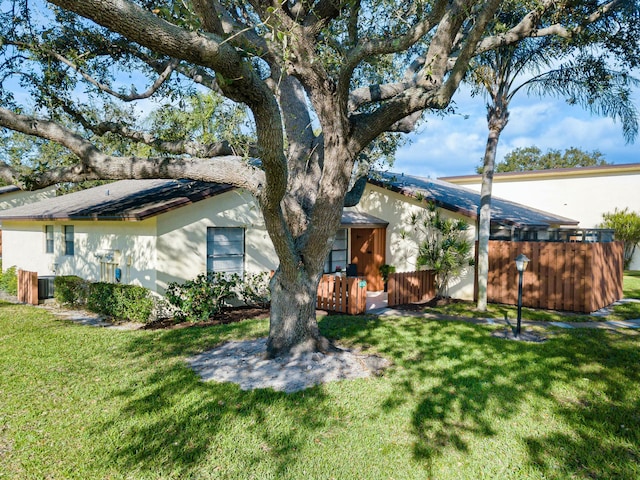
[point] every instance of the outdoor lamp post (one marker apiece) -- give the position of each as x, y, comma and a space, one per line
521, 265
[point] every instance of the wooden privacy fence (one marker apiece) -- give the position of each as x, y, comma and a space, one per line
28, 287
410, 287
342, 294
576, 277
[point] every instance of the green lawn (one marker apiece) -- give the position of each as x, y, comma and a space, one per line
91, 403
630, 286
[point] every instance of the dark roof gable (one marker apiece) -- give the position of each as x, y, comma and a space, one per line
132, 200
467, 202
136, 200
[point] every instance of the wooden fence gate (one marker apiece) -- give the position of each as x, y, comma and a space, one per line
410, 287
342, 294
28, 287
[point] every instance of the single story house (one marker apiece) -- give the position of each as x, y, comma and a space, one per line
584, 193
153, 232
11, 196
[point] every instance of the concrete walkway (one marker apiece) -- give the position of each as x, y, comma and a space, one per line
609, 325
377, 305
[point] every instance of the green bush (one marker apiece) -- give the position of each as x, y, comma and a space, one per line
626, 226
254, 289
70, 290
123, 302
385, 271
198, 299
100, 298
9, 280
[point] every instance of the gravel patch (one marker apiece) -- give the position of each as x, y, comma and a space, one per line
244, 364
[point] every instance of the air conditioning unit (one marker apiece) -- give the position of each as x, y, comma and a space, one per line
45, 288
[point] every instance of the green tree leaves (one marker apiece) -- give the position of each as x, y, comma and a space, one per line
445, 249
532, 158
626, 225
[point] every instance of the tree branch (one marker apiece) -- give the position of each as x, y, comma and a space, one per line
241, 83
95, 165
217, 19
468, 50
528, 26
376, 93
322, 12
162, 78
208, 16
178, 147
367, 48
353, 196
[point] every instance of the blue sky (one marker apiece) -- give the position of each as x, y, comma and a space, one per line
454, 145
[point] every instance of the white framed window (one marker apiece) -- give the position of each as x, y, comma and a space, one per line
338, 254
48, 239
225, 250
68, 240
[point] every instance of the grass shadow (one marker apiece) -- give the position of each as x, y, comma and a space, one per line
175, 423
464, 386
82, 402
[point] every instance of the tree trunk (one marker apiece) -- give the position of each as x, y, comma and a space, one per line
497, 118
293, 327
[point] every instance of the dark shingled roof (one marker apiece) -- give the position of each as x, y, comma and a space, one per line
136, 200
131, 200
467, 202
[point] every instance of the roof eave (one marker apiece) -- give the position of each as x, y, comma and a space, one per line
598, 170
407, 192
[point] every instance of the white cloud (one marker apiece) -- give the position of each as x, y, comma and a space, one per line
443, 145
454, 146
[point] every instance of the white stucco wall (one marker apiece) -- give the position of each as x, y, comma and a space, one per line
132, 243
19, 197
583, 198
182, 236
24, 247
403, 239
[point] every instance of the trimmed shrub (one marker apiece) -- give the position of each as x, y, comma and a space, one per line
200, 298
123, 302
100, 298
70, 290
134, 303
9, 280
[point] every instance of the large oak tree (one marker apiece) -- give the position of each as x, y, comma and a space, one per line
322, 80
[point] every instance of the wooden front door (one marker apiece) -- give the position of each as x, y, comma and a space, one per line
368, 254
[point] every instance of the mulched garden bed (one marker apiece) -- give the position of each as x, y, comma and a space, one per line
233, 315
224, 317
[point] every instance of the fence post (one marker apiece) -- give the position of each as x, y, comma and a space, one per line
28, 287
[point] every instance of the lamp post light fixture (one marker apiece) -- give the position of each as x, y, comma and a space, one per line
521, 265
